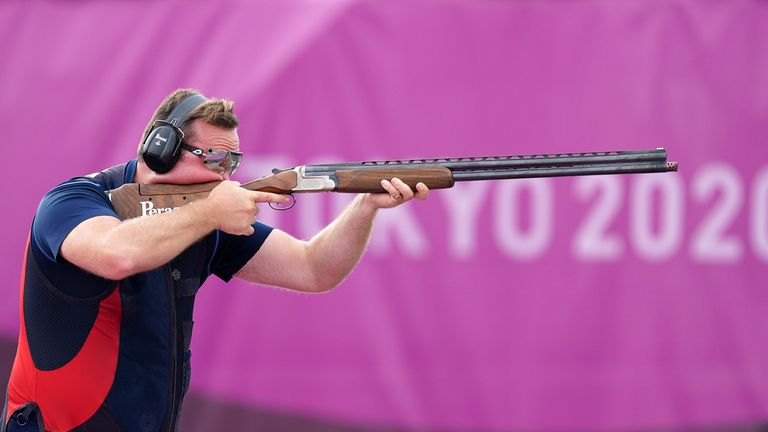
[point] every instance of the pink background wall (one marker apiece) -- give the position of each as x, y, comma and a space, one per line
597, 303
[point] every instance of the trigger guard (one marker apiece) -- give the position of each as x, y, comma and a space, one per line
293, 202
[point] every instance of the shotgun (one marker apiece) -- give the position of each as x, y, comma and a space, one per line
133, 199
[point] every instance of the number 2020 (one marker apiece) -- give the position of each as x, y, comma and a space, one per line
716, 186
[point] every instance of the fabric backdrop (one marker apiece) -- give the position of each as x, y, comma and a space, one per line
598, 303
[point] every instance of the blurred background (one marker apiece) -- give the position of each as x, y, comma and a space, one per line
575, 304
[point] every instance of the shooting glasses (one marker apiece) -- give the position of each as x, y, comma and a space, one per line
218, 161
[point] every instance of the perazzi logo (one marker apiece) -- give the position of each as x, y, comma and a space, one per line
158, 140
148, 208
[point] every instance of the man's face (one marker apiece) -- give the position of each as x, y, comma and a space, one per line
190, 168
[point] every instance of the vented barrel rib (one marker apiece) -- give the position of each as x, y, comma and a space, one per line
522, 166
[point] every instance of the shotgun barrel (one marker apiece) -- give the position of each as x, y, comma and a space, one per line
506, 167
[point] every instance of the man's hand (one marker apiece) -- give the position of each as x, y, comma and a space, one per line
397, 193
233, 209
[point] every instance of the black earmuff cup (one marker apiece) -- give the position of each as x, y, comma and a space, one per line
159, 156
162, 147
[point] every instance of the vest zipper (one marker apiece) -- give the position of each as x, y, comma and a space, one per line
172, 303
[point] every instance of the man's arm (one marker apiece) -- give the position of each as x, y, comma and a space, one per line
115, 249
323, 262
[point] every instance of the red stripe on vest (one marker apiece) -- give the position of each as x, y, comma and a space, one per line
70, 395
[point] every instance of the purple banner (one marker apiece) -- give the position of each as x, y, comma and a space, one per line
593, 303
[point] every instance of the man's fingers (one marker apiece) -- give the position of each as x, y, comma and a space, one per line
401, 192
391, 189
403, 189
269, 197
422, 191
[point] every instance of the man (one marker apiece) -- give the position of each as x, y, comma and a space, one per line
106, 304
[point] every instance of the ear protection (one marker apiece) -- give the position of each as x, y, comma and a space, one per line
162, 148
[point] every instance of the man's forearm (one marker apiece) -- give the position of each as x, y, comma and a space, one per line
335, 250
158, 239
135, 245
116, 249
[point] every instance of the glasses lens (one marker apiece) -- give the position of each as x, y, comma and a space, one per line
237, 157
222, 161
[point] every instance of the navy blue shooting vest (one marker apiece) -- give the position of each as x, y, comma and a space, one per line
129, 375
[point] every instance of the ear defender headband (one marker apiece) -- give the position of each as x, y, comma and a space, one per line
162, 147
